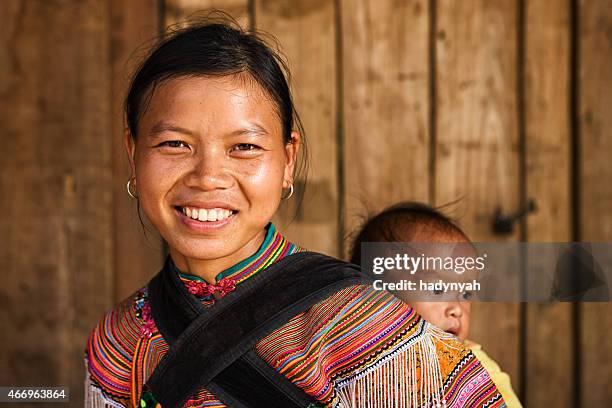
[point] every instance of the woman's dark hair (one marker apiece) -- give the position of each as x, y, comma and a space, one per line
401, 223
215, 47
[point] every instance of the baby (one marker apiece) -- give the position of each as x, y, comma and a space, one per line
416, 222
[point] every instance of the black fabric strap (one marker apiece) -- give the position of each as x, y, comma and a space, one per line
251, 382
211, 347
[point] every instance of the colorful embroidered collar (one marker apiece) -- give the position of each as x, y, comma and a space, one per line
273, 248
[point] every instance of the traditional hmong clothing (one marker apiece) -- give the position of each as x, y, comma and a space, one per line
499, 378
356, 348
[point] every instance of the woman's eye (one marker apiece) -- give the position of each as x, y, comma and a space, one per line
466, 295
173, 143
242, 147
438, 291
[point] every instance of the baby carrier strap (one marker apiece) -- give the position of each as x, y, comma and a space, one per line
212, 347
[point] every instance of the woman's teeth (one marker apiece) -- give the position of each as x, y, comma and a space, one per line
201, 214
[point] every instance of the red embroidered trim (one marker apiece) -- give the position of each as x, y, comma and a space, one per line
203, 289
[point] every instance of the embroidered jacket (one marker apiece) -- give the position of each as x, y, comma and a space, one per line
359, 347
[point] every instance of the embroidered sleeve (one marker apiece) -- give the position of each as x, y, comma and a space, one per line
95, 397
413, 363
109, 354
432, 371
365, 348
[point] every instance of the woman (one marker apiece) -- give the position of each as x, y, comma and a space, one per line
239, 316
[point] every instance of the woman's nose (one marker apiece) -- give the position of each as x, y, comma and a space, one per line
208, 170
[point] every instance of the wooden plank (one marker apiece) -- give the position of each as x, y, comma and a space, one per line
549, 364
386, 132
477, 141
56, 188
137, 257
178, 12
306, 33
595, 189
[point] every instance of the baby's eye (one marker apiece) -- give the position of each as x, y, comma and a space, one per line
466, 295
173, 144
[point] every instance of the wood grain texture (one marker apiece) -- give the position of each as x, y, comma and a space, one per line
549, 364
312, 63
386, 135
137, 257
56, 188
179, 12
477, 144
595, 188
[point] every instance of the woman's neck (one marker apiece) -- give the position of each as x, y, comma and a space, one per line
208, 269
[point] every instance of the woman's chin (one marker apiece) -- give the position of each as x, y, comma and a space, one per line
224, 249
208, 251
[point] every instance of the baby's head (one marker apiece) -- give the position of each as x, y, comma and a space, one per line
417, 222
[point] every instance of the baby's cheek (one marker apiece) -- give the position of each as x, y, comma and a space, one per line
465, 327
429, 312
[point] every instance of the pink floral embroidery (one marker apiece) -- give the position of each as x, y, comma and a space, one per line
148, 324
203, 289
143, 312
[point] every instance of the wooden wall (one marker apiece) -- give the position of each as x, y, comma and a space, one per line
56, 187
490, 103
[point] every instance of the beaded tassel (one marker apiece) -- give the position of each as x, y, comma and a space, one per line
95, 398
411, 379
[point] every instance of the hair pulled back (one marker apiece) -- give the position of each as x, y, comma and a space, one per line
213, 48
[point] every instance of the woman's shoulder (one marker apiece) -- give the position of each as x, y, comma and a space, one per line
371, 305
121, 324
353, 336
356, 321
369, 319
111, 346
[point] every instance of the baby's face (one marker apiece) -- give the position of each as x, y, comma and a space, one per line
452, 317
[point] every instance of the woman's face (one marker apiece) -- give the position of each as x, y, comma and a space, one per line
210, 164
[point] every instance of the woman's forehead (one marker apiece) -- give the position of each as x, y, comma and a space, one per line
204, 101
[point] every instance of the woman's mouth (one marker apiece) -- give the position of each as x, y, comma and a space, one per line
206, 214
204, 219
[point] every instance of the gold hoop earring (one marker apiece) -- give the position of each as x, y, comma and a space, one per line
129, 189
290, 193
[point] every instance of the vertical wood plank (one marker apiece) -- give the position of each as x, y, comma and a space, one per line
137, 256
180, 11
386, 132
56, 188
549, 364
595, 188
306, 33
477, 158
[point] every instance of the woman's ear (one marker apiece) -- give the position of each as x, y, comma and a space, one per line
292, 149
130, 148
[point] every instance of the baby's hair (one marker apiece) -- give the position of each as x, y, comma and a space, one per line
403, 222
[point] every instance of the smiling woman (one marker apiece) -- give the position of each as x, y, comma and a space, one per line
210, 168
240, 316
